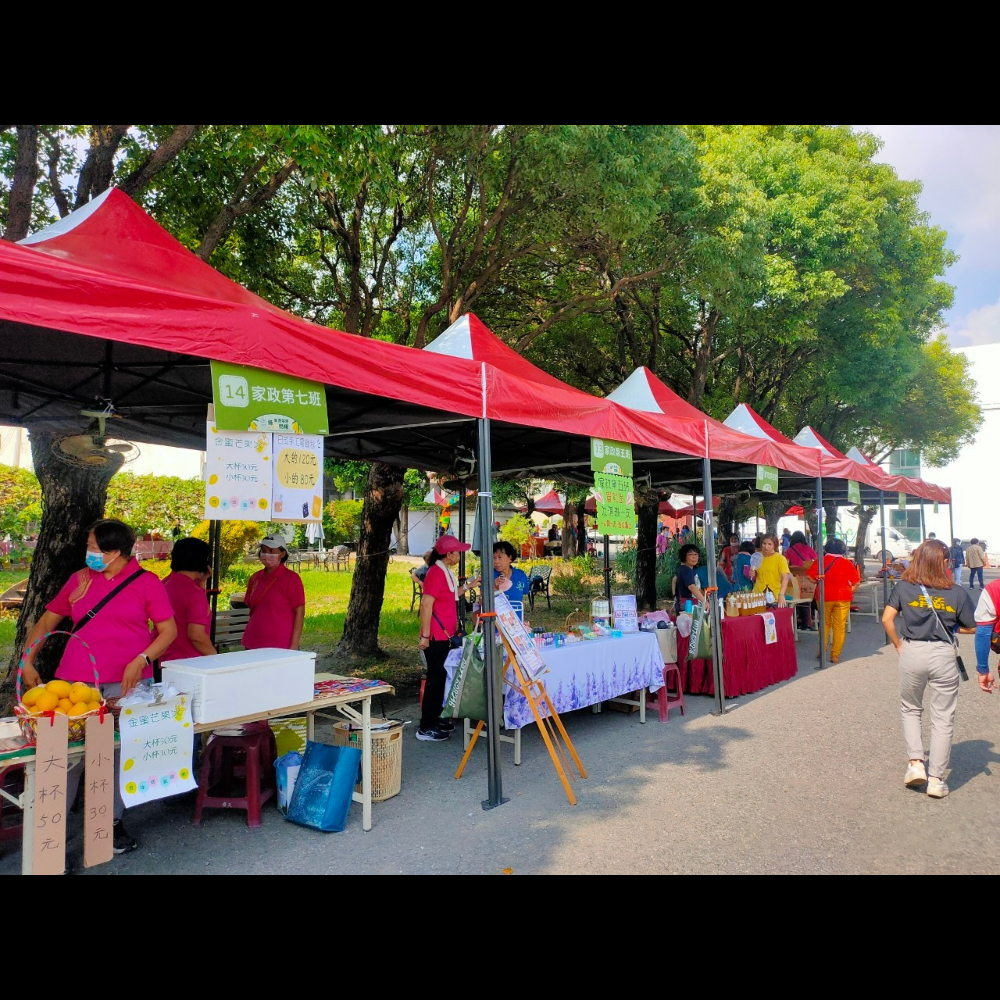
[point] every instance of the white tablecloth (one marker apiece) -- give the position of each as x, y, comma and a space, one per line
589, 672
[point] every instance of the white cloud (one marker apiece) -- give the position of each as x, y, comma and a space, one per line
980, 326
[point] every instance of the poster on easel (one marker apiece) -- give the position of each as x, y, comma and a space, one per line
519, 638
626, 617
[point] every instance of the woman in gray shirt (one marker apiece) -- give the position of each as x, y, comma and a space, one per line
924, 610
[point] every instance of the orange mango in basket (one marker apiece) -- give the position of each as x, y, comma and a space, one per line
79, 708
47, 701
82, 692
31, 695
64, 706
59, 688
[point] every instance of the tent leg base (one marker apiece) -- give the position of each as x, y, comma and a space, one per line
487, 805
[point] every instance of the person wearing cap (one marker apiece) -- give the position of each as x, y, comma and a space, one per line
438, 623
276, 599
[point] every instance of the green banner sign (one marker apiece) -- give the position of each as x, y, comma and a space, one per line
935, 506
902, 501
767, 479
853, 492
614, 457
615, 504
250, 399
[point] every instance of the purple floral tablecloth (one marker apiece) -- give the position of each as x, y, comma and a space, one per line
586, 673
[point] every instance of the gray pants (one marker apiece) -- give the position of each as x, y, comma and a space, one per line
922, 665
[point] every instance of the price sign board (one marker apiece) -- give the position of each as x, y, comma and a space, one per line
237, 475
297, 489
615, 504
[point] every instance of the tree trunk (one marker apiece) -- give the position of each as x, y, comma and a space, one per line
865, 517
645, 555
727, 517
22, 184
568, 537
773, 509
403, 531
383, 498
581, 526
72, 499
830, 517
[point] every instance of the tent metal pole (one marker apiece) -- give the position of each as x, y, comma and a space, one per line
885, 565
708, 523
923, 527
461, 556
821, 588
951, 525
607, 569
494, 776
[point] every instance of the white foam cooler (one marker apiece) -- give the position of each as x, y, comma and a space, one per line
229, 685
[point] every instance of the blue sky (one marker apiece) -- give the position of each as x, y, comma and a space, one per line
959, 167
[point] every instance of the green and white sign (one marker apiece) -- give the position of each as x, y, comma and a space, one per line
250, 399
935, 506
614, 457
767, 479
902, 501
615, 504
853, 492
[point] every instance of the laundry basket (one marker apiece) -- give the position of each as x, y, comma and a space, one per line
387, 754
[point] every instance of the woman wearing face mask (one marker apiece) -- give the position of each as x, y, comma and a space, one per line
118, 634
189, 574
276, 599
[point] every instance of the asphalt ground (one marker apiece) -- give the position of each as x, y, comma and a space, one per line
803, 777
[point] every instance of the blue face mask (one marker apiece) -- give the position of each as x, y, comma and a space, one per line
95, 561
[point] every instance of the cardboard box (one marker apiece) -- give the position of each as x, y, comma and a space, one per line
247, 682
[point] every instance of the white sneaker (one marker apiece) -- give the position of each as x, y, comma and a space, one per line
936, 788
916, 774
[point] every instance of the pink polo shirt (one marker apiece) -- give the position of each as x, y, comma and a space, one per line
120, 630
445, 603
190, 604
273, 599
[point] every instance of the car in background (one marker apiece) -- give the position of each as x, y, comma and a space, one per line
896, 544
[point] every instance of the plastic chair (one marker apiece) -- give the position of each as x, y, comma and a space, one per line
665, 697
518, 607
237, 772
543, 574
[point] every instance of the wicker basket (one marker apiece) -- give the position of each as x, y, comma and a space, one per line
77, 723
387, 756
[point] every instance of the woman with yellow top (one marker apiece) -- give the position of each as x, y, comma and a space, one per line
773, 573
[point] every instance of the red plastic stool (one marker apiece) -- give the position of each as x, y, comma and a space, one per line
665, 697
12, 782
237, 772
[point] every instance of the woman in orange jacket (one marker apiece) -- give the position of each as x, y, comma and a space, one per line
840, 577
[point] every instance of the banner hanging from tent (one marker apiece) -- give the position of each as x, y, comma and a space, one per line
250, 399
767, 479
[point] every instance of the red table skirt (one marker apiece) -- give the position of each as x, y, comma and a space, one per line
749, 664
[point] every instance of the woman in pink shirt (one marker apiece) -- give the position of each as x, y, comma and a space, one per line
190, 570
276, 599
118, 634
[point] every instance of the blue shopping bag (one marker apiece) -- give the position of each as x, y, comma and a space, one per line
324, 787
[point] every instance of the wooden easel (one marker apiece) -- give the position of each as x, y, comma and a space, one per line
557, 740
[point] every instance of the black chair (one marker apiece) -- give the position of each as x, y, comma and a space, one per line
418, 592
539, 584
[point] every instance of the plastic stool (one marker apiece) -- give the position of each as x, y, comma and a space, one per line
12, 781
665, 697
228, 761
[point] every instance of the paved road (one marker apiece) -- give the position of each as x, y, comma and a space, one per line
805, 777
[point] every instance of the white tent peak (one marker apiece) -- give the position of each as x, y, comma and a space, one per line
859, 456
741, 419
636, 394
71, 221
808, 439
456, 341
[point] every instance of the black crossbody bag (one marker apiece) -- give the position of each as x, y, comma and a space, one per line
951, 638
92, 613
